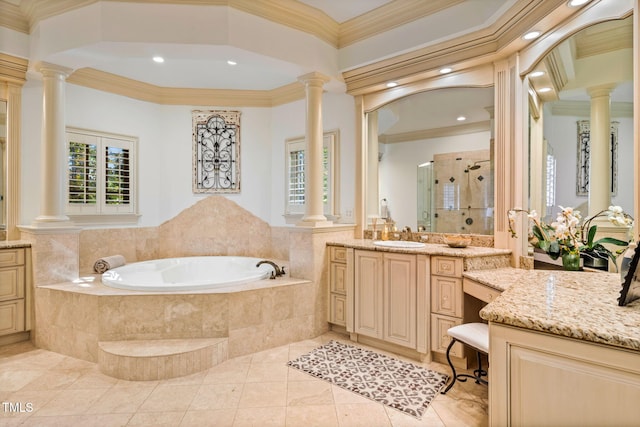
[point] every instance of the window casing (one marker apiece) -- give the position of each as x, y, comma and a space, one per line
101, 175
295, 164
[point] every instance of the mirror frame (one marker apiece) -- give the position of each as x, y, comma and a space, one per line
13, 72
479, 76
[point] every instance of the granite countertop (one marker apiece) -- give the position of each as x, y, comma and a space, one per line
12, 244
429, 249
580, 305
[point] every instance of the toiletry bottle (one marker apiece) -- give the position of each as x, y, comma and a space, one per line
385, 231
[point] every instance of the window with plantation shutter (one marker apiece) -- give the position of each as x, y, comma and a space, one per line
100, 175
296, 178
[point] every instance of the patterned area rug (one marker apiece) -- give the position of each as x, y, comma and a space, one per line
392, 382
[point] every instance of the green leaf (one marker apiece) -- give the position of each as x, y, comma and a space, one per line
591, 235
554, 250
611, 241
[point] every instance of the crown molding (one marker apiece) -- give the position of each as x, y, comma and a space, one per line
13, 69
12, 17
436, 132
485, 45
135, 89
387, 17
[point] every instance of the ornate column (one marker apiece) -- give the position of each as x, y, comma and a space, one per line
600, 149
314, 215
53, 143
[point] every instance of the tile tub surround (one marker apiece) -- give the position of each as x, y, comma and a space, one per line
75, 317
580, 305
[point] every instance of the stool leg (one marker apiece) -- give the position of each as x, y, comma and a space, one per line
453, 369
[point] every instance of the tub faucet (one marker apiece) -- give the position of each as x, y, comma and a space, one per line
277, 271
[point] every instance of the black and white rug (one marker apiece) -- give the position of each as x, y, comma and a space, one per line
400, 385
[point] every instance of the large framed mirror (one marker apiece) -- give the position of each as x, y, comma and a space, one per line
412, 138
582, 143
435, 168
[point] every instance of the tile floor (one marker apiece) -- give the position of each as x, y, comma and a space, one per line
42, 388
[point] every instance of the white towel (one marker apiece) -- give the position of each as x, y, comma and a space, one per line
108, 262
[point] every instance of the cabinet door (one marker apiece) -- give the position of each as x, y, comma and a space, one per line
440, 339
338, 314
11, 317
337, 278
446, 296
400, 299
368, 293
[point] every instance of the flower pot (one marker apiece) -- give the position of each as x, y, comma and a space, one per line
571, 261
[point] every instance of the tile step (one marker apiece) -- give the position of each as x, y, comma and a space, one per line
147, 360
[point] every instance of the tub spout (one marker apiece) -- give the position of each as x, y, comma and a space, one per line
277, 271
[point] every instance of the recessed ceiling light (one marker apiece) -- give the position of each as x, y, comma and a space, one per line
445, 70
232, 62
158, 59
544, 89
537, 74
461, 118
576, 3
392, 84
532, 35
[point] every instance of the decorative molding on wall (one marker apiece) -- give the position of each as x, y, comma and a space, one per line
13, 69
435, 133
12, 17
388, 16
135, 89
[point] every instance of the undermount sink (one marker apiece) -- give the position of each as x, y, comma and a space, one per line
399, 244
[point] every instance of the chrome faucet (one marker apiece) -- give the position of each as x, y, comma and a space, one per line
277, 271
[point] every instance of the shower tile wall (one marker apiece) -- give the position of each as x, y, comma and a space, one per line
463, 196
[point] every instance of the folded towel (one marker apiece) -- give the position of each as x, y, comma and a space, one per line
108, 262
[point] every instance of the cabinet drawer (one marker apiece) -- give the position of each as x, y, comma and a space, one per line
338, 307
446, 296
480, 291
439, 338
11, 283
11, 317
446, 266
11, 257
338, 254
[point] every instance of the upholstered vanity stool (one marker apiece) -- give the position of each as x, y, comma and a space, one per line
476, 336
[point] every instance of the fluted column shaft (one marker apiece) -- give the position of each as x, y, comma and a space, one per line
600, 149
314, 215
373, 196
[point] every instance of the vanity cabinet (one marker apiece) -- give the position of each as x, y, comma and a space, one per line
547, 380
447, 302
13, 291
389, 298
338, 280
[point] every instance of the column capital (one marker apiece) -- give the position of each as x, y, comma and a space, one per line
601, 90
314, 78
52, 70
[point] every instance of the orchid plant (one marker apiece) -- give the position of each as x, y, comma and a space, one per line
565, 235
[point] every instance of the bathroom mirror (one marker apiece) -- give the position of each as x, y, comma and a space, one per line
434, 159
594, 56
3, 168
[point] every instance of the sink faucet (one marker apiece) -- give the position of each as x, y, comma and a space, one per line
277, 271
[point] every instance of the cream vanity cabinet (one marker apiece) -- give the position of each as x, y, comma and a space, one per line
338, 280
391, 298
447, 302
14, 277
542, 379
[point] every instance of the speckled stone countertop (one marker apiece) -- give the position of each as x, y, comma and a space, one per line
580, 305
428, 249
11, 244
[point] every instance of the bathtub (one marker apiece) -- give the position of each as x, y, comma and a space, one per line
186, 274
